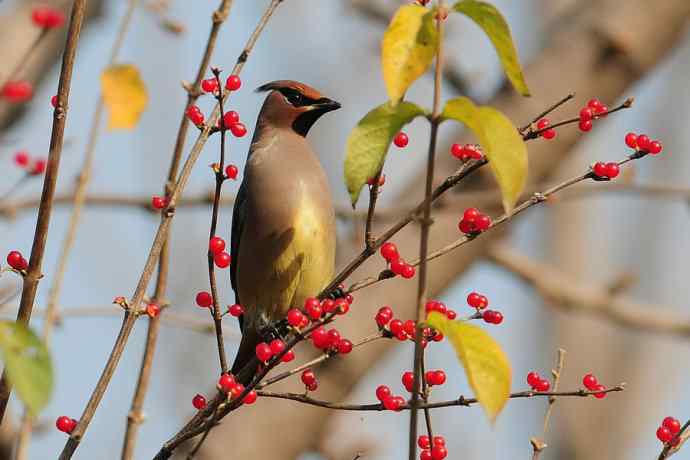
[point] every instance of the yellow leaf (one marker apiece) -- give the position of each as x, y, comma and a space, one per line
408, 48
501, 142
124, 94
486, 365
496, 28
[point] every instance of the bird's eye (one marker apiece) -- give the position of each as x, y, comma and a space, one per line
294, 98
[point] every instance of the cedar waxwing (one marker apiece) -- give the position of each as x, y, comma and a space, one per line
283, 223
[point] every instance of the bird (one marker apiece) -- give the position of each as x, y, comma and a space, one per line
283, 223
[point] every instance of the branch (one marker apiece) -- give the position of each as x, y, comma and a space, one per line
34, 273
538, 445
571, 295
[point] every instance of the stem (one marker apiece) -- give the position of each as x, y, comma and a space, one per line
70, 236
424, 238
44, 211
538, 445
369, 239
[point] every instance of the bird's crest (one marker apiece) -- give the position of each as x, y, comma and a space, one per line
279, 85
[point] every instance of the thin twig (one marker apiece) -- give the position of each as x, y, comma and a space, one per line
538, 445
34, 274
374, 189
546, 112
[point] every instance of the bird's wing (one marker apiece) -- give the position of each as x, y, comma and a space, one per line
238, 217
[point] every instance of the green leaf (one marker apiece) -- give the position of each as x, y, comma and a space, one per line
486, 16
27, 363
501, 142
368, 143
486, 365
408, 48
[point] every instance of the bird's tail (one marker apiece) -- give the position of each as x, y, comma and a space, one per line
246, 354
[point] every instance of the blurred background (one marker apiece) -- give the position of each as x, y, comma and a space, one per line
624, 244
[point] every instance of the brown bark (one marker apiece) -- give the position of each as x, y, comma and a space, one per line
613, 50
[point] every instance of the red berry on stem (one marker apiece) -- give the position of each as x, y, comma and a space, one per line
474, 300
438, 453
236, 310
396, 326
308, 377
589, 381
383, 392
313, 310
250, 398
533, 379
471, 214
612, 170
65, 424
631, 140
222, 260
498, 317
451, 314
542, 385
643, 142
599, 169
194, 115
389, 251
231, 172
287, 357
466, 227
585, 125
295, 317
549, 134
319, 338
408, 381
543, 123
439, 441
423, 442
344, 346
199, 401
277, 346
408, 271
672, 424
54, 101
209, 85
586, 114
21, 158
655, 147
204, 299
238, 129
600, 388
663, 434
231, 117
401, 140
457, 150
397, 266
15, 260
425, 455
226, 382
152, 310
483, 222
594, 104
158, 202
263, 352
438, 377
38, 167
233, 83
216, 245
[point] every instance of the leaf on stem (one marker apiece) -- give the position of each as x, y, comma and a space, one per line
486, 365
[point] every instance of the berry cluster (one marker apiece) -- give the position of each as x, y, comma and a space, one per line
308, 378
228, 384
643, 143
33, 167
466, 152
388, 399
606, 171
547, 133
404, 330
330, 341
480, 302
474, 222
216, 246
16, 260
668, 430
592, 384
401, 140
537, 383
65, 424
389, 251
231, 121
432, 449
593, 110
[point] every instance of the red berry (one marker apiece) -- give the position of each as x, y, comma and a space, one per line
602, 111
194, 115
425, 455
612, 170
21, 159
396, 326
436, 377
473, 151
152, 310
264, 352
655, 147
313, 310
54, 101
586, 114
238, 129
631, 140
401, 140
599, 169
46, 17
204, 299
157, 202
542, 385
457, 151
226, 382
663, 434
233, 83
474, 300
394, 403
589, 381
236, 310
295, 317
344, 346
199, 402
341, 306
236, 390
438, 453
383, 392
483, 222
65, 424
672, 424
333, 338
277, 346
389, 251
311, 302
471, 214
549, 134
288, 356
319, 338
498, 317
439, 441
533, 379
308, 377
382, 319
328, 305
410, 327
382, 180
222, 259
408, 381
451, 314
16, 260
543, 123
17, 91
230, 118
585, 125
423, 442
216, 245
250, 398
643, 142
594, 104
408, 271
38, 167
231, 172
209, 85
600, 388
397, 266
467, 227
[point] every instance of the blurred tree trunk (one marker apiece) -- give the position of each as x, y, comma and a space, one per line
610, 54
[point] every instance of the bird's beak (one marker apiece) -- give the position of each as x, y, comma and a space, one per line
324, 105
